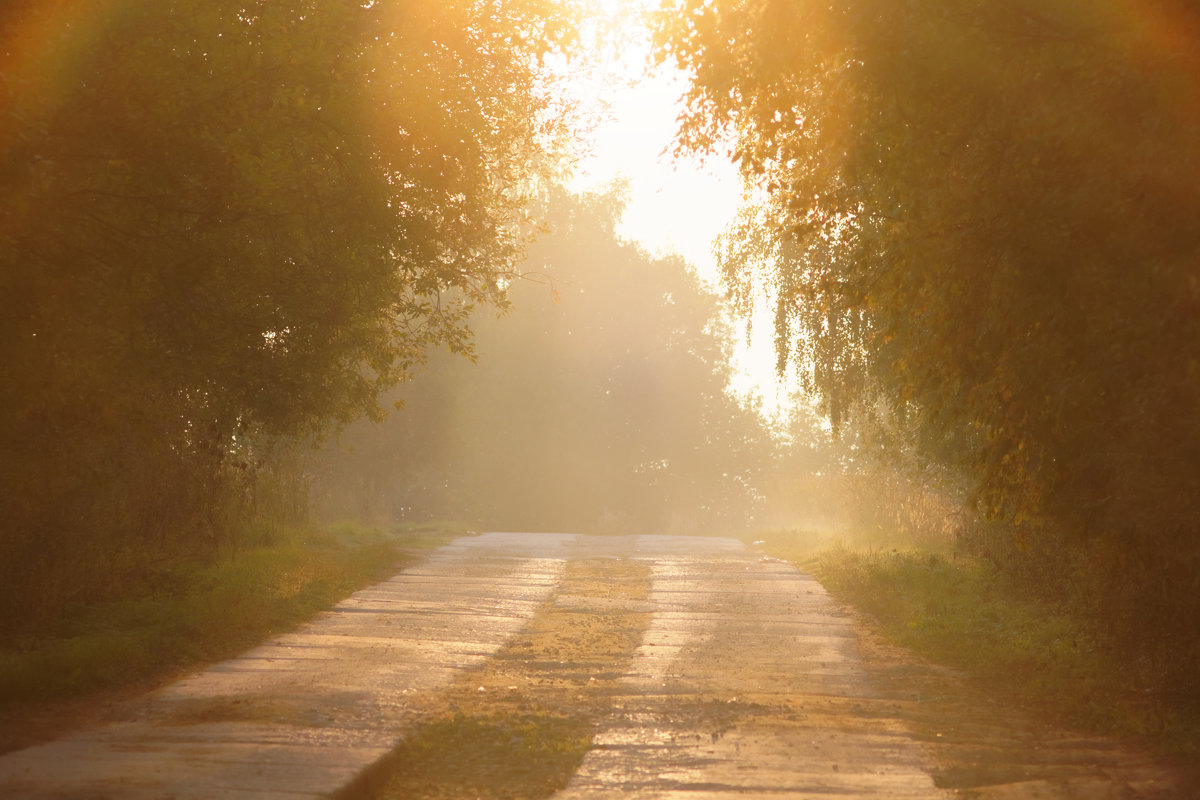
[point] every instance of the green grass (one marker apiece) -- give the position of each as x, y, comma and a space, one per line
962, 613
495, 757
196, 611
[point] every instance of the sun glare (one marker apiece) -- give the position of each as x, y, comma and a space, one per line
676, 205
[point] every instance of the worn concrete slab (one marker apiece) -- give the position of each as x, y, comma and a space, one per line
747, 684
745, 680
306, 712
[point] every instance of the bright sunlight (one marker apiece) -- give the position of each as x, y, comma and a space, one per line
676, 204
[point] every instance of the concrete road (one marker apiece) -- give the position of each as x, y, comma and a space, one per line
745, 679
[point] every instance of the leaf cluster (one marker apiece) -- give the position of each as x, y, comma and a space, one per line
226, 222
977, 221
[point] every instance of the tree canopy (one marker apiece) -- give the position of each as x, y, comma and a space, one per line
600, 401
978, 223
224, 219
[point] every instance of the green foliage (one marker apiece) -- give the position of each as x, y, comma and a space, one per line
222, 223
199, 611
501, 756
962, 613
965, 614
598, 402
978, 224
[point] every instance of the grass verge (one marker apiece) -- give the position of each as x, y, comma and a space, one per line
521, 756
964, 614
191, 612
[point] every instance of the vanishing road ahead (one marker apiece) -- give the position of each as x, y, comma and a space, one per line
702, 668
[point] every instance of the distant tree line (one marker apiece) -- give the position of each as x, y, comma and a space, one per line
980, 223
227, 223
600, 402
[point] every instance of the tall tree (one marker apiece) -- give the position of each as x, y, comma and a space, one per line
228, 218
978, 221
600, 401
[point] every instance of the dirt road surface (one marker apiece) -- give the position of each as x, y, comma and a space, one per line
696, 668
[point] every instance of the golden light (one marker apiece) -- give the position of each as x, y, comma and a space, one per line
675, 205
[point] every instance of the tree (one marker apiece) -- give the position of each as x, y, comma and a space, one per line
229, 219
598, 402
978, 221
